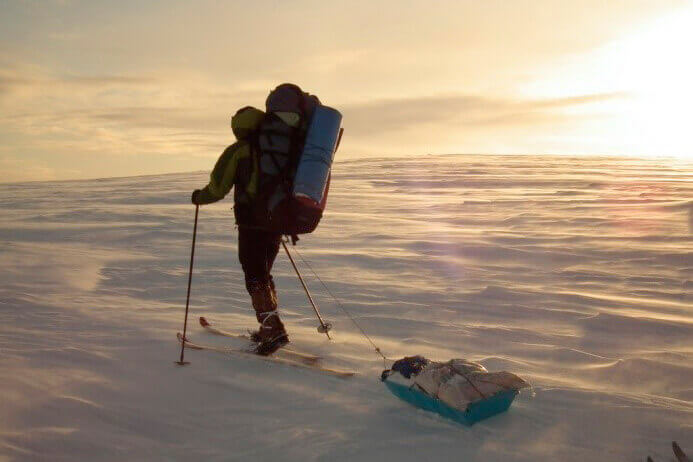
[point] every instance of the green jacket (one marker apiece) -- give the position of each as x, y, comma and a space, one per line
236, 167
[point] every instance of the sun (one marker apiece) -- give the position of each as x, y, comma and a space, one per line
654, 66
649, 71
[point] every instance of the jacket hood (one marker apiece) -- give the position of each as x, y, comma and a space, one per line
245, 121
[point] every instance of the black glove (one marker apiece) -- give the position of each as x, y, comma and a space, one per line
195, 197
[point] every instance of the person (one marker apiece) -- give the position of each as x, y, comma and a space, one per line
257, 248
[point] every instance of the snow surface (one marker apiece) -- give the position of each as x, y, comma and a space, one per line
575, 273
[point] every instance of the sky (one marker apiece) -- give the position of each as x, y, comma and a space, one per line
101, 88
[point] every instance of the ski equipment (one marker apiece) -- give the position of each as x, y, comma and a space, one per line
678, 452
181, 361
324, 327
238, 351
212, 329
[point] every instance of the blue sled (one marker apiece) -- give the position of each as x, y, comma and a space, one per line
475, 412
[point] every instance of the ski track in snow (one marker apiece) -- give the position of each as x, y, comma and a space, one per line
575, 273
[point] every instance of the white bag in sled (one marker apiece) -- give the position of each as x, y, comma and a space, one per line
461, 390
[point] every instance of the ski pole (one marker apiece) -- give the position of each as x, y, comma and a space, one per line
324, 326
181, 362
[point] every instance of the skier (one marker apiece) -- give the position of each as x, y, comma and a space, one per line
257, 248
280, 168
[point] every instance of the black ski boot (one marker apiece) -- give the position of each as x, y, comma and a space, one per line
271, 336
255, 336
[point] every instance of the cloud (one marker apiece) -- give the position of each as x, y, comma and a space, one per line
183, 118
26, 170
186, 115
125, 115
16, 81
388, 115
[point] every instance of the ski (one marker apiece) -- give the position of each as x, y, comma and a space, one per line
678, 452
680, 455
288, 362
287, 352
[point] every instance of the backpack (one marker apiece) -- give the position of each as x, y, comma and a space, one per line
282, 155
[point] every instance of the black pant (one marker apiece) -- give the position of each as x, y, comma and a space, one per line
257, 251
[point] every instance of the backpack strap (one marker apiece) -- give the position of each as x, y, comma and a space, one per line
281, 173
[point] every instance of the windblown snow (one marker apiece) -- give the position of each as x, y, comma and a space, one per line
574, 273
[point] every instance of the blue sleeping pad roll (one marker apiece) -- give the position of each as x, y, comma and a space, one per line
316, 159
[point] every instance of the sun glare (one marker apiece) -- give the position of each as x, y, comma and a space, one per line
650, 74
654, 65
